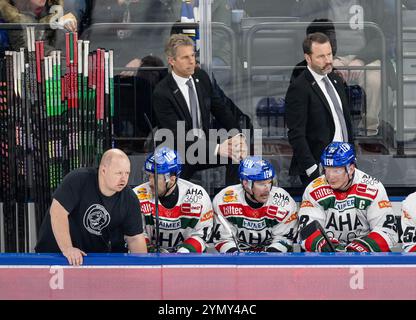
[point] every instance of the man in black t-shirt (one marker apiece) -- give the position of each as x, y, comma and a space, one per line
94, 212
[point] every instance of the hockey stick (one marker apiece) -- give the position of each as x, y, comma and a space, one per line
312, 227
156, 180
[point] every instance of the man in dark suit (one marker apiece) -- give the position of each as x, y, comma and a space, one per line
317, 110
183, 103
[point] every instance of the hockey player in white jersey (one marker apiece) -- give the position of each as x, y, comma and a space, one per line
408, 221
351, 206
254, 215
185, 209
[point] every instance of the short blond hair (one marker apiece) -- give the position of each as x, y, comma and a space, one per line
175, 41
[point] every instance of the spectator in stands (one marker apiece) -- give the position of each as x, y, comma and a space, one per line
254, 215
39, 11
408, 221
81, 10
345, 209
185, 97
94, 211
317, 110
267, 8
185, 209
131, 44
358, 46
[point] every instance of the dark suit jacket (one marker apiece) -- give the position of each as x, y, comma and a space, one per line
309, 119
170, 106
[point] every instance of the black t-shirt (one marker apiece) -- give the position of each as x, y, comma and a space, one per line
97, 223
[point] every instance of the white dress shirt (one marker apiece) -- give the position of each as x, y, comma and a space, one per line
181, 82
338, 130
319, 80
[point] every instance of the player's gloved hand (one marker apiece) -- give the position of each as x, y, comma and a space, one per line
337, 245
232, 250
182, 250
152, 249
272, 249
355, 246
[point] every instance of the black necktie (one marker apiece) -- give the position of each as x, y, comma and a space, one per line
337, 107
193, 103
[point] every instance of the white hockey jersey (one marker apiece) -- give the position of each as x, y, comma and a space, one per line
183, 228
408, 221
273, 225
362, 215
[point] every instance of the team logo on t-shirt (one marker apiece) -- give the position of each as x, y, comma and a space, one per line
96, 218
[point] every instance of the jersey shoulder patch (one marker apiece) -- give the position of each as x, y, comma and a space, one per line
292, 217
320, 181
306, 204
384, 204
142, 193
229, 196
407, 215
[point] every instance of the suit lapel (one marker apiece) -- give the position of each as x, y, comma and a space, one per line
317, 89
181, 104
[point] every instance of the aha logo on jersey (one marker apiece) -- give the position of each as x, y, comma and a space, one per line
229, 196
191, 208
280, 199
142, 194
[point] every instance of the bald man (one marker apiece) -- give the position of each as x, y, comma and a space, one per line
93, 211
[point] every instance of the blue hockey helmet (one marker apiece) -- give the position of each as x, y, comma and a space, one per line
338, 154
254, 168
168, 162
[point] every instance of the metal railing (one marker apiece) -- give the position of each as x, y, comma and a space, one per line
296, 27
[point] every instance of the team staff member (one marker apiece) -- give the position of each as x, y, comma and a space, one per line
186, 96
93, 211
254, 215
351, 207
185, 209
317, 110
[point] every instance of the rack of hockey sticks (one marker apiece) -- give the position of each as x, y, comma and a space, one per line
56, 115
